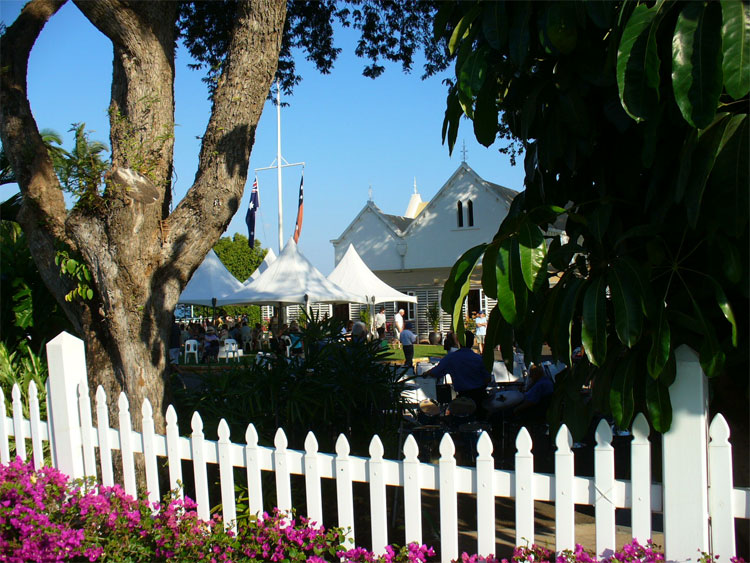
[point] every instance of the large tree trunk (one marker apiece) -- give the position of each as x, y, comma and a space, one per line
139, 255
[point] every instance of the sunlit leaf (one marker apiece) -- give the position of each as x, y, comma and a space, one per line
532, 250
462, 28
638, 64
726, 308
735, 34
696, 62
472, 73
457, 285
506, 298
594, 328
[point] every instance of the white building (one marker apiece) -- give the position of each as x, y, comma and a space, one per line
414, 253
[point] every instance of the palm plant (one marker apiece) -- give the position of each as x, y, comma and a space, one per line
82, 170
433, 316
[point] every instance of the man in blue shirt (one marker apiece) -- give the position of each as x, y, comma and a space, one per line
467, 372
542, 387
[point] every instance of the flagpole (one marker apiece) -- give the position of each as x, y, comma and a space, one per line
278, 163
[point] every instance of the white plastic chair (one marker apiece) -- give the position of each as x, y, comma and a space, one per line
191, 347
230, 349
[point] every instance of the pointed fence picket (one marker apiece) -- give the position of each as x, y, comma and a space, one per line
564, 488
564, 491
18, 423
36, 426
604, 482
524, 475
640, 476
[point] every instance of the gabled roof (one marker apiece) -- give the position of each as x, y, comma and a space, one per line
399, 222
503, 193
400, 226
370, 207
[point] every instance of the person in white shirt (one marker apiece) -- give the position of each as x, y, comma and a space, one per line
481, 322
398, 324
380, 318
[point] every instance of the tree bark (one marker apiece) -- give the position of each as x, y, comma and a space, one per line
139, 255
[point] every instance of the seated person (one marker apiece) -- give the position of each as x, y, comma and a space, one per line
256, 337
451, 342
295, 339
246, 336
359, 331
541, 388
466, 368
211, 344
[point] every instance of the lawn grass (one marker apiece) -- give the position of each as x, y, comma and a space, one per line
420, 351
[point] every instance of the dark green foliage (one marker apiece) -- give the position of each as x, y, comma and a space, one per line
29, 312
633, 119
339, 387
391, 31
241, 261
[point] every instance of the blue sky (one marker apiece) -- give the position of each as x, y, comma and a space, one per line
351, 131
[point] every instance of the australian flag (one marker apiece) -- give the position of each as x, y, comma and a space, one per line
250, 216
300, 209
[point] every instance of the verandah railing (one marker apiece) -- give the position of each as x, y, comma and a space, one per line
694, 492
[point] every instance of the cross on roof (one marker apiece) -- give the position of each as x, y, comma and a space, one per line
463, 151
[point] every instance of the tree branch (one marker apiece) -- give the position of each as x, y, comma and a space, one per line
215, 196
43, 199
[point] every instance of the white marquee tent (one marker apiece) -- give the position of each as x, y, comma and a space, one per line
290, 279
352, 274
211, 279
267, 261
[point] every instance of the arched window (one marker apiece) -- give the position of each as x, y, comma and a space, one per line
460, 214
470, 212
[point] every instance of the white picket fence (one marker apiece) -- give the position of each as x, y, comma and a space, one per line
698, 499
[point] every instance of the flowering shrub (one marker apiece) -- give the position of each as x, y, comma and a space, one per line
44, 517
633, 552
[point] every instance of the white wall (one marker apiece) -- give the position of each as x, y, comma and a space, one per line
436, 240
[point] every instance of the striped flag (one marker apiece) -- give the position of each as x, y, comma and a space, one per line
300, 208
250, 215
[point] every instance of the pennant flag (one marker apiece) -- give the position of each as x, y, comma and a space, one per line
300, 207
250, 215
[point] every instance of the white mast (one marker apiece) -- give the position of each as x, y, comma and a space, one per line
278, 163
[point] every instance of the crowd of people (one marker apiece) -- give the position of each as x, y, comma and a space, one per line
211, 335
